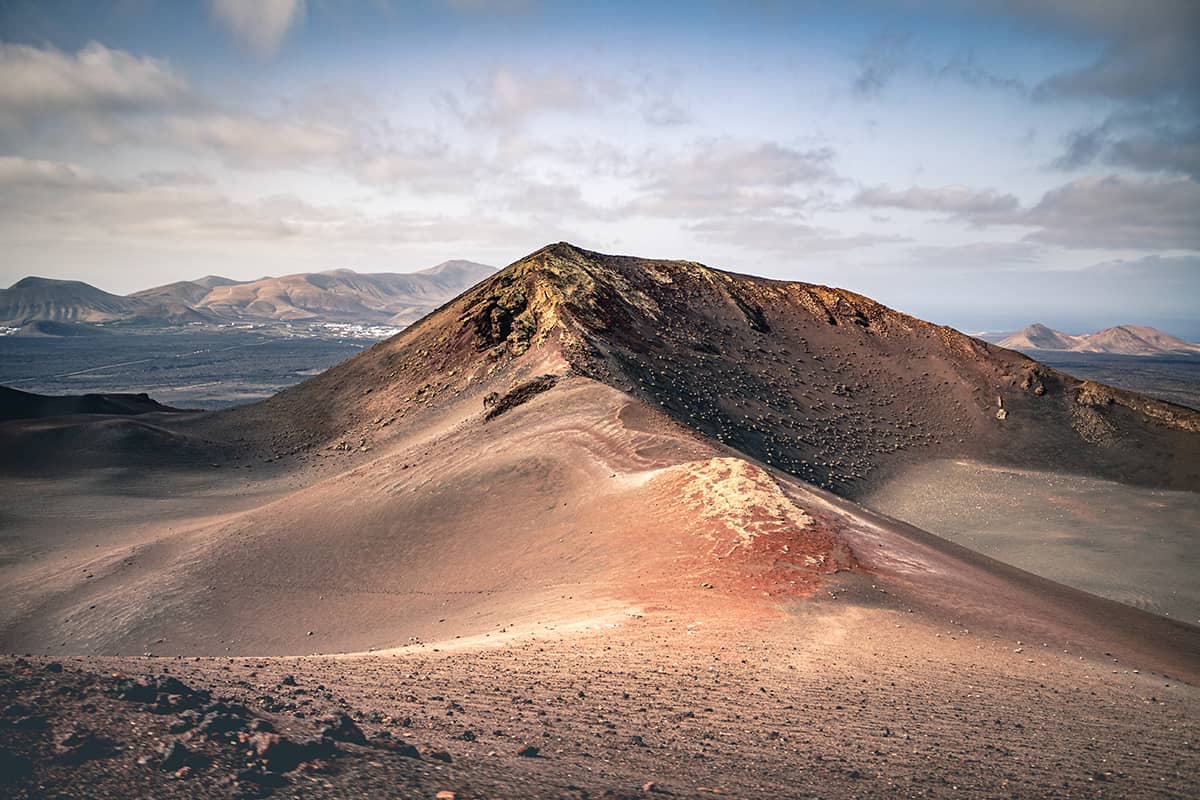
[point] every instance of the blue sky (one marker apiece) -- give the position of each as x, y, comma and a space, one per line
983, 165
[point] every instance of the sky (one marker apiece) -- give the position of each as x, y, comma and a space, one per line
983, 165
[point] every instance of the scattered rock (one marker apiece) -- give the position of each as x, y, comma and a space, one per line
528, 751
80, 744
136, 691
340, 727
174, 756
185, 721
280, 754
260, 778
517, 396
260, 726
222, 719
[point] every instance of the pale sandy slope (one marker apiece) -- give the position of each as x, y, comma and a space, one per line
581, 502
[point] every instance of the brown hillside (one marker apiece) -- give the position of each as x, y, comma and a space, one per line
822, 383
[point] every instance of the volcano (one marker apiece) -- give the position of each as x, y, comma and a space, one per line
587, 455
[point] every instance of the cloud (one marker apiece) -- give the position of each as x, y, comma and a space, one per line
976, 256
45, 200
18, 173
658, 102
956, 200
249, 141
174, 178
421, 163
1146, 73
1163, 150
258, 25
42, 82
502, 6
1149, 48
727, 176
787, 236
509, 98
1111, 212
1083, 146
968, 70
664, 110
878, 63
113, 99
40, 200
1145, 146
110, 99
1118, 213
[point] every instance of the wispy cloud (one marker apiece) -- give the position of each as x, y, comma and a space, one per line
782, 235
879, 61
258, 25
728, 176
17, 173
956, 200
510, 97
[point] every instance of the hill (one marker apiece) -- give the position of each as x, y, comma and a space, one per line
570, 366
1132, 340
618, 491
183, 292
344, 295
823, 383
15, 404
337, 296
33, 298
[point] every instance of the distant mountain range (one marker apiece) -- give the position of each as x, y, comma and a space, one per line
1127, 340
47, 307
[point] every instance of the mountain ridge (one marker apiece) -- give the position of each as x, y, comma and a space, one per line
1133, 340
332, 296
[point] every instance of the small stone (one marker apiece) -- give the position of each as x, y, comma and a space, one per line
174, 756
339, 726
80, 744
528, 751
185, 722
